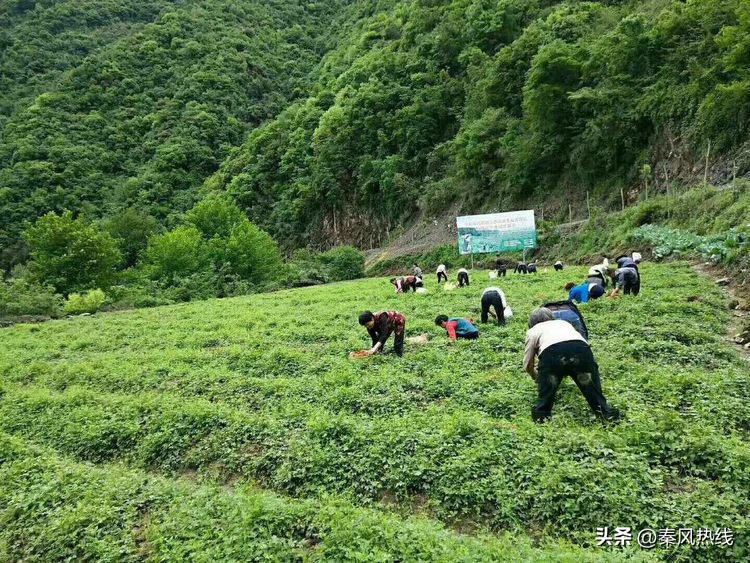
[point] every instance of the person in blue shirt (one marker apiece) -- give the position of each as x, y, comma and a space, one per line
582, 293
457, 327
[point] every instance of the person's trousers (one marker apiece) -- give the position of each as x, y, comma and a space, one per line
502, 272
398, 342
463, 279
442, 276
573, 358
558, 267
493, 299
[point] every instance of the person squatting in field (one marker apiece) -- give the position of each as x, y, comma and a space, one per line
457, 327
531, 268
404, 284
380, 326
562, 351
495, 298
521, 268
463, 277
559, 266
582, 293
442, 273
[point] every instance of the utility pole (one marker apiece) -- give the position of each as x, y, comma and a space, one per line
622, 197
570, 213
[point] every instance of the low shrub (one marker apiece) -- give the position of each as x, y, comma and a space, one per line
90, 302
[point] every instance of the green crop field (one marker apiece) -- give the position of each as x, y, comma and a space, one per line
238, 429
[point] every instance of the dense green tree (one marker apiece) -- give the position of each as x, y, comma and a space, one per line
176, 254
70, 254
131, 229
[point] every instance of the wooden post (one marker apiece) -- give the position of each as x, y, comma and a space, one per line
705, 172
588, 204
570, 213
622, 197
669, 203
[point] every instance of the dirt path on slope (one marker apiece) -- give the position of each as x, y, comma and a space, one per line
738, 330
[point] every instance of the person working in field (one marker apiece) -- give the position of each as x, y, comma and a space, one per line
463, 277
521, 268
380, 326
559, 266
531, 268
501, 265
627, 280
493, 297
404, 284
562, 351
458, 327
442, 273
599, 273
582, 293
417, 271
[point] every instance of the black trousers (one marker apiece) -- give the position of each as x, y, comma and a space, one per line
573, 358
522, 269
633, 286
463, 279
442, 275
493, 299
558, 267
502, 272
398, 342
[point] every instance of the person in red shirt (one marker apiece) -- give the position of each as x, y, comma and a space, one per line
457, 327
380, 326
404, 284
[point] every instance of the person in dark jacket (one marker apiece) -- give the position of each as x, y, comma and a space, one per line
627, 280
380, 326
457, 327
562, 351
521, 268
559, 266
531, 268
501, 265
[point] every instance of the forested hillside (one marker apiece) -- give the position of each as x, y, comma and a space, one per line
137, 103
497, 103
340, 121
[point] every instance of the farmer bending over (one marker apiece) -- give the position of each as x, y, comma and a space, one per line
442, 273
495, 298
627, 280
582, 293
463, 277
380, 326
403, 285
457, 327
562, 351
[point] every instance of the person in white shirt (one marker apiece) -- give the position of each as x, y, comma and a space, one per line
495, 298
442, 273
463, 277
562, 351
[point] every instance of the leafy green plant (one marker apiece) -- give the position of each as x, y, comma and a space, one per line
89, 302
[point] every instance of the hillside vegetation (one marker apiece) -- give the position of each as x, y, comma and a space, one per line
238, 429
332, 122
